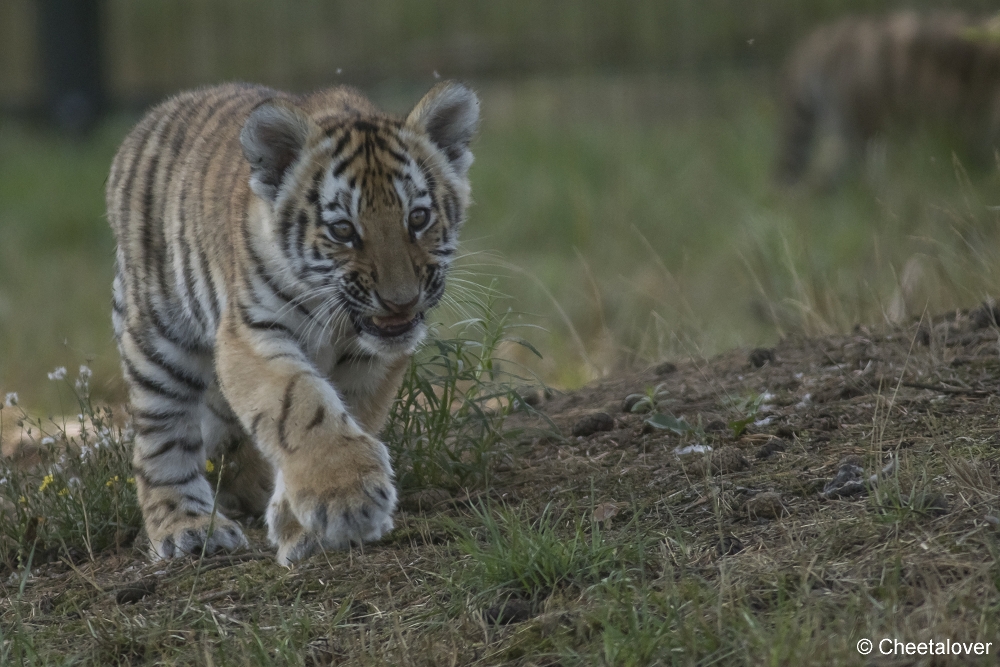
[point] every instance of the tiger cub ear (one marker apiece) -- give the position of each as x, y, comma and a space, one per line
449, 115
272, 137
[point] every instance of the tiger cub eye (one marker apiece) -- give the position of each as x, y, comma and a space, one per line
419, 217
341, 230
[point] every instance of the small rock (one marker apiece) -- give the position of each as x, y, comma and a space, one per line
593, 423
533, 396
728, 459
923, 335
666, 368
761, 356
511, 610
849, 480
728, 546
985, 316
134, 592
826, 424
786, 432
47, 604
716, 426
766, 505
771, 447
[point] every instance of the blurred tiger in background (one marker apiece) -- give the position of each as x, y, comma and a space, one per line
276, 258
849, 80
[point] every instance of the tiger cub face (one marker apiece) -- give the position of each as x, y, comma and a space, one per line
367, 210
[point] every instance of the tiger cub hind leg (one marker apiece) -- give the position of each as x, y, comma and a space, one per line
172, 443
176, 499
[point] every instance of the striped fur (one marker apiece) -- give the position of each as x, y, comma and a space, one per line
848, 80
276, 256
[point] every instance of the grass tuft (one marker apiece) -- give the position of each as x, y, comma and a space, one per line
446, 425
81, 500
533, 558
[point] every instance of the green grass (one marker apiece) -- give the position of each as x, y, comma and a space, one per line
445, 430
513, 554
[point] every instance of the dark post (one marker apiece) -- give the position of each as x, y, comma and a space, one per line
69, 40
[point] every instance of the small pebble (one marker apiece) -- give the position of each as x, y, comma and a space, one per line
771, 447
716, 426
766, 505
761, 356
785, 432
593, 423
666, 368
728, 459
728, 546
134, 592
985, 316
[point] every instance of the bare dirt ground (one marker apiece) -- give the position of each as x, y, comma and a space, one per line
830, 488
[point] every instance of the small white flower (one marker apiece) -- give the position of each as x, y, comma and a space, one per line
84, 452
58, 374
83, 379
10, 400
48, 440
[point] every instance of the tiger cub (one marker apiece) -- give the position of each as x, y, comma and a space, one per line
276, 257
848, 80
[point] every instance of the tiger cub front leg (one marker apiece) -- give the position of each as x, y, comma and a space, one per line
333, 481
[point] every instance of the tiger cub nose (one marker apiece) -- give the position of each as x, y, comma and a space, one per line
397, 307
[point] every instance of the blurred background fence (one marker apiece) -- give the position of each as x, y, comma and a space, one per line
153, 47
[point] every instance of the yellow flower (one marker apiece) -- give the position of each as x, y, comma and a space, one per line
46, 482
209, 466
111, 481
130, 480
22, 500
64, 492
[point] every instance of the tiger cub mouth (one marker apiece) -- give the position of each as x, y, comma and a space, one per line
391, 326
